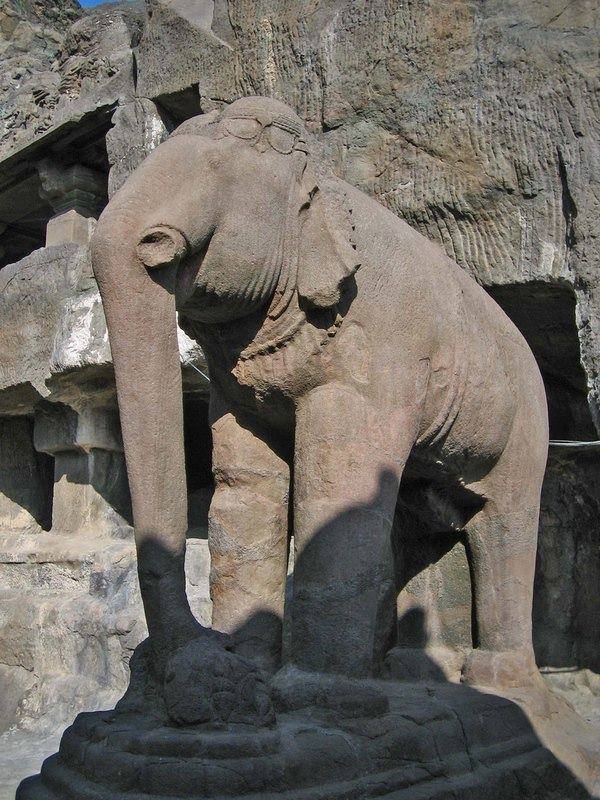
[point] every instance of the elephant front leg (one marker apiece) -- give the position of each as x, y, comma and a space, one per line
348, 463
248, 539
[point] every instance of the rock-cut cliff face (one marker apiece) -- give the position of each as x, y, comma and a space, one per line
31, 36
50, 53
478, 122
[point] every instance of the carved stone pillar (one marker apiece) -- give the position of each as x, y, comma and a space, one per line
77, 195
90, 480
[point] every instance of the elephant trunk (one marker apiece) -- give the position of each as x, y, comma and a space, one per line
141, 321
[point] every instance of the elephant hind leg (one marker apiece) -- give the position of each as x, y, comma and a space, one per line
502, 545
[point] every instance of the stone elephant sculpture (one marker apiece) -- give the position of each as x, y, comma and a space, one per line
346, 352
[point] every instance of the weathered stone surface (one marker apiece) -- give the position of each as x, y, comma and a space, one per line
72, 187
31, 34
478, 123
77, 57
81, 339
206, 684
437, 742
59, 429
178, 50
53, 335
32, 292
69, 227
68, 624
137, 128
70, 617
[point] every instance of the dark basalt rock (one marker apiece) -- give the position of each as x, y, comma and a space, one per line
434, 742
204, 683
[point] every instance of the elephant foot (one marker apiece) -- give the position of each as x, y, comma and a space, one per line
515, 674
143, 695
501, 669
206, 684
200, 681
433, 664
181, 628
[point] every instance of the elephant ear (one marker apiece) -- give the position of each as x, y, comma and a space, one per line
327, 256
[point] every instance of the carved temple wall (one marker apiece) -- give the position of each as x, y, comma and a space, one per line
477, 123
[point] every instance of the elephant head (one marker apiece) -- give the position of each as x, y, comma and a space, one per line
222, 221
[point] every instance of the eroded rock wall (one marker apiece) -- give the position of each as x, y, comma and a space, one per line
476, 122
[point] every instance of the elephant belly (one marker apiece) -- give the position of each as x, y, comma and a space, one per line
470, 409
440, 504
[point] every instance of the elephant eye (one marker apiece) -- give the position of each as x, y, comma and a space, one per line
281, 140
243, 127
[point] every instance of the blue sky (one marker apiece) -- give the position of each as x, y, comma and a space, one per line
90, 3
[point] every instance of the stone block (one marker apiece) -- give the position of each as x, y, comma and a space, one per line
81, 339
65, 641
59, 428
434, 603
72, 187
90, 493
32, 296
197, 568
178, 49
70, 226
137, 129
70, 605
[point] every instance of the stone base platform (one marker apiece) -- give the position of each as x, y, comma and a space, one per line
400, 741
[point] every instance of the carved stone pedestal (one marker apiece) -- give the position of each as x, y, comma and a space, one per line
77, 194
90, 482
332, 739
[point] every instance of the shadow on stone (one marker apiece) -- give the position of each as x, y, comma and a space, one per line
408, 733
25, 478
